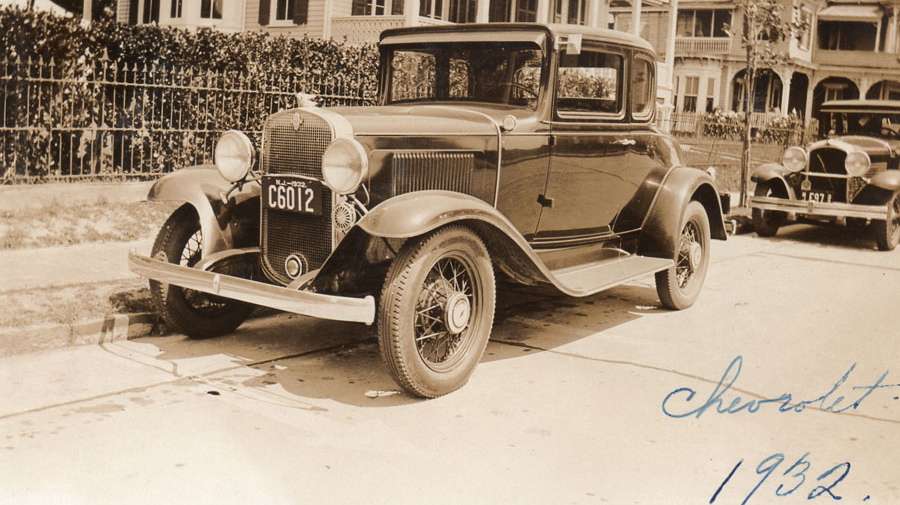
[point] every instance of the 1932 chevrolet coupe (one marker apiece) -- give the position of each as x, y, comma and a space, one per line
851, 177
520, 150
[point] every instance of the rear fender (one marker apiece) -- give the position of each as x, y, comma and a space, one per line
202, 187
661, 228
378, 236
888, 180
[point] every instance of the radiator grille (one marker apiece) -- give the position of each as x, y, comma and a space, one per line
415, 171
829, 161
287, 151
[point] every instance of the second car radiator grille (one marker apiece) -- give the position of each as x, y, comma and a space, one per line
414, 171
290, 151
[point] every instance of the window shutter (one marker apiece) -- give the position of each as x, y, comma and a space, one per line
133, 12
301, 11
264, 6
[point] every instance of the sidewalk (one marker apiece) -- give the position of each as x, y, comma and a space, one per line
48, 267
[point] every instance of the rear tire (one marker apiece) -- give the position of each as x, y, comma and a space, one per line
679, 286
197, 315
887, 233
436, 311
767, 222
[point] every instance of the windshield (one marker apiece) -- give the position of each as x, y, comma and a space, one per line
868, 124
508, 74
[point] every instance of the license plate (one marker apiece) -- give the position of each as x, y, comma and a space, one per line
293, 194
817, 196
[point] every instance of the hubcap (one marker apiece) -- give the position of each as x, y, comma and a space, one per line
456, 313
690, 254
696, 255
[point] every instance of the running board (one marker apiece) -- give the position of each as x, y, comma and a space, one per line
590, 278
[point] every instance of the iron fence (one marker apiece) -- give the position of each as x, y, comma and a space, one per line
107, 119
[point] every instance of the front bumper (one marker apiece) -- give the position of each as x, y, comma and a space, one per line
832, 209
338, 308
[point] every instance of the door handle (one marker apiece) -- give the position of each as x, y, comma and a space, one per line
625, 142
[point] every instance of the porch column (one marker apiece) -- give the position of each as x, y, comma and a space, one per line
809, 100
670, 44
636, 17
483, 14
786, 92
87, 10
599, 13
543, 11
890, 45
410, 12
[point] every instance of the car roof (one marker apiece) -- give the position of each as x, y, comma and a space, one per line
508, 31
880, 106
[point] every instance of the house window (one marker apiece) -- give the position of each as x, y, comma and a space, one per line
211, 9
432, 9
710, 94
590, 83
282, 12
376, 7
150, 12
703, 23
573, 12
462, 11
691, 90
834, 91
175, 9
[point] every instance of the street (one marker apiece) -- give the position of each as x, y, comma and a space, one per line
567, 405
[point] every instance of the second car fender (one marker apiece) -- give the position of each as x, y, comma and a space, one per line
889, 180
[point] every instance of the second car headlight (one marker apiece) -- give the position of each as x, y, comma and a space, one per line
344, 166
857, 163
234, 155
794, 159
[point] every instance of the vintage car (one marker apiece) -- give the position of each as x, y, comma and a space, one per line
524, 151
850, 177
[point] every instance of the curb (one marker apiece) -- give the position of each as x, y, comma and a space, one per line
46, 337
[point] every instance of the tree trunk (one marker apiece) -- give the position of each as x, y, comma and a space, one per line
750, 78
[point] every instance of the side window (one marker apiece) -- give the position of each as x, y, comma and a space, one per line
590, 82
642, 89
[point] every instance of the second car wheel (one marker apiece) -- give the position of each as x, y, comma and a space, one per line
436, 311
679, 285
887, 233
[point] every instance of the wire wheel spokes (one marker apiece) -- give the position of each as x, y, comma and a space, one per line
444, 311
190, 256
690, 247
895, 221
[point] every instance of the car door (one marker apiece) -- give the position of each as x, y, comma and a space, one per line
592, 151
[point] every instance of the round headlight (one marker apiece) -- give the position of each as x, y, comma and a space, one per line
794, 159
344, 166
234, 155
857, 163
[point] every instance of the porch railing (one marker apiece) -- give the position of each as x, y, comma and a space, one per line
700, 46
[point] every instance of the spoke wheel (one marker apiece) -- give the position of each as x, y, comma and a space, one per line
767, 222
194, 313
436, 311
887, 233
679, 286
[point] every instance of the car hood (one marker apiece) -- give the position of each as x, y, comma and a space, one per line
427, 120
875, 147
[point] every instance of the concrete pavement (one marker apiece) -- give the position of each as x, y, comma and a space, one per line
566, 406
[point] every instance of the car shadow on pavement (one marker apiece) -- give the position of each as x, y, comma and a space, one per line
314, 359
826, 235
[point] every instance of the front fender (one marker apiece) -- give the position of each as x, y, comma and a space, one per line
202, 187
889, 180
661, 228
376, 238
769, 172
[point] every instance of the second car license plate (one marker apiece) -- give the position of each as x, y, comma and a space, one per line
293, 194
817, 196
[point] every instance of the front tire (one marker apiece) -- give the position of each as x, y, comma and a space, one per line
887, 233
196, 314
436, 311
679, 286
767, 222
